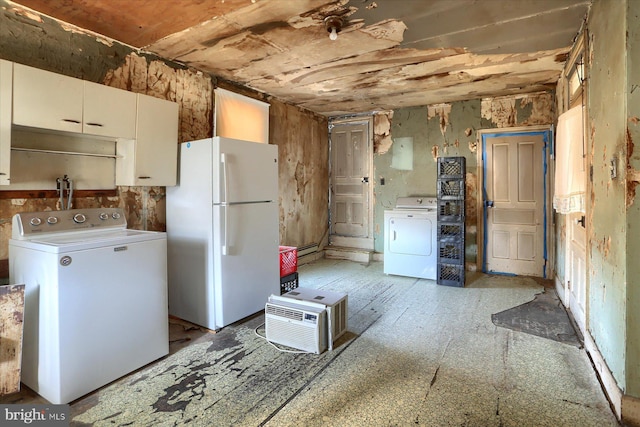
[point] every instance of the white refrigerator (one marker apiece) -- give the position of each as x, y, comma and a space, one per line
223, 231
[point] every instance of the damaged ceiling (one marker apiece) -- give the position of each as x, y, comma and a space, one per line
388, 54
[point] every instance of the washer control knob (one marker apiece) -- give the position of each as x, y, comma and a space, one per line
116, 215
52, 220
35, 221
103, 216
79, 218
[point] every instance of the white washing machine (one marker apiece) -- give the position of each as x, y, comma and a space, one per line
410, 233
95, 299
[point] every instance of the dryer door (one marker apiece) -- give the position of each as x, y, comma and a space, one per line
411, 235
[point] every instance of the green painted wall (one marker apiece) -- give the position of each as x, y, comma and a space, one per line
607, 228
426, 133
633, 212
453, 133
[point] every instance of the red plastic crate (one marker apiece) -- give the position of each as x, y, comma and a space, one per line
288, 260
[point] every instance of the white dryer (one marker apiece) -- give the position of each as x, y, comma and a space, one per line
410, 233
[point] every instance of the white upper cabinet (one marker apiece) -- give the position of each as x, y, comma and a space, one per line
152, 159
46, 100
6, 72
57, 118
108, 111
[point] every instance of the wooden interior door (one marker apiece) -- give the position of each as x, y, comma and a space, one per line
514, 203
577, 268
350, 145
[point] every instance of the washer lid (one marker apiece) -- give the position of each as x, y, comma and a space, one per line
76, 241
416, 202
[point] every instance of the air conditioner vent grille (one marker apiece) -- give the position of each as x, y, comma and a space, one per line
287, 313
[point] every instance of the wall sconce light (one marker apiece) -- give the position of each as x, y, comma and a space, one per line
333, 24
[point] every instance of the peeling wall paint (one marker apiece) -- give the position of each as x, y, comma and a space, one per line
607, 239
191, 89
500, 111
633, 175
442, 111
448, 130
539, 109
303, 153
382, 132
520, 110
633, 210
43, 43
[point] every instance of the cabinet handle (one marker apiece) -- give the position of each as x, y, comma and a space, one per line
2, 173
94, 124
77, 122
144, 177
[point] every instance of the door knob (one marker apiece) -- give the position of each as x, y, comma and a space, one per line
365, 179
580, 221
488, 203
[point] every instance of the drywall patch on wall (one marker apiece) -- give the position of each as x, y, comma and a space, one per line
382, 132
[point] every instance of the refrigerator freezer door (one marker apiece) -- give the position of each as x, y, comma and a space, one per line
247, 171
189, 241
248, 271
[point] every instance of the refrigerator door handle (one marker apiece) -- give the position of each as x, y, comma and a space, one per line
225, 176
225, 241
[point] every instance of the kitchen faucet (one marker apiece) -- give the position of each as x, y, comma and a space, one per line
63, 184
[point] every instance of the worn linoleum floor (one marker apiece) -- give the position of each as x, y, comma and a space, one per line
416, 354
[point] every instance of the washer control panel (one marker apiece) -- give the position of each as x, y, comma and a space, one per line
27, 224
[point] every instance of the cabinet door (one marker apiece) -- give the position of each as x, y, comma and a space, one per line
6, 72
46, 100
156, 152
109, 111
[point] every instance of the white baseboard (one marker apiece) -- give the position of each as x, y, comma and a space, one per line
349, 254
351, 242
561, 291
614, 394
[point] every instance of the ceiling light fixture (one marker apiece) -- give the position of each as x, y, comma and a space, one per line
333, 24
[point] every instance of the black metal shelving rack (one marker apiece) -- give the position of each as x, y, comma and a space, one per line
451, 199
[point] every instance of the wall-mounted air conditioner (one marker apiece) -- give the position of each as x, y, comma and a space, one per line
297, 324
335, 304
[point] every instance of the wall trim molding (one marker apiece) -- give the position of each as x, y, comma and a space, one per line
611, 389
561, 290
